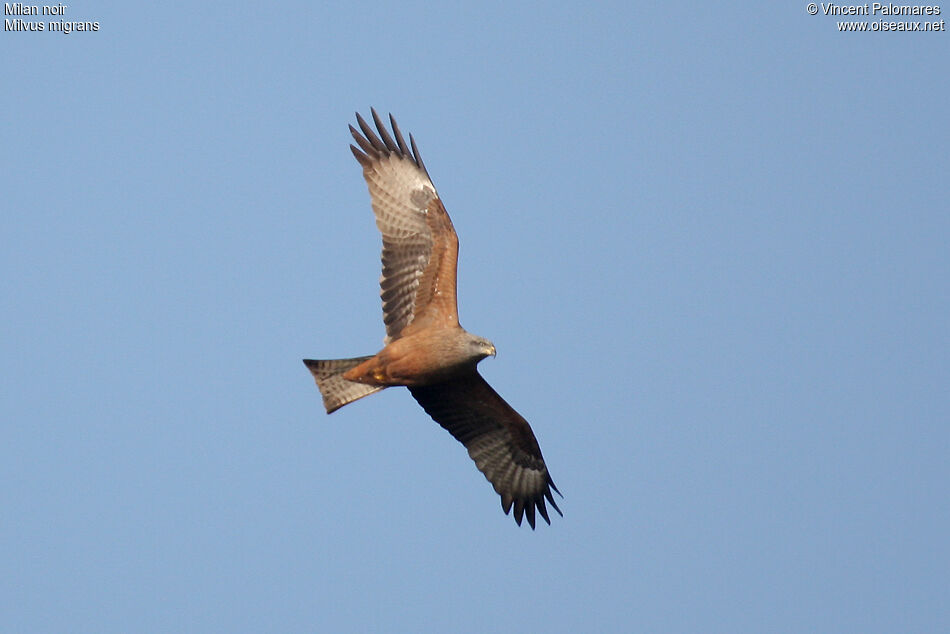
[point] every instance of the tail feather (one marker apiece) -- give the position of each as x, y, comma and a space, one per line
336, 390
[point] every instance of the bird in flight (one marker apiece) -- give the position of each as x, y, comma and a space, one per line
425, 348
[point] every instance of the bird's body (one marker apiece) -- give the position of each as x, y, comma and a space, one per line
426, 350
425, 358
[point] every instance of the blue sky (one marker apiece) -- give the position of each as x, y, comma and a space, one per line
710, 245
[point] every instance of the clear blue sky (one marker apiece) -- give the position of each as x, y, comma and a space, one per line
711, 245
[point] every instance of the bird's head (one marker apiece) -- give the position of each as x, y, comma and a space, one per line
480, 347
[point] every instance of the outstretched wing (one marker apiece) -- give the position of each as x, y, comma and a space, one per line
420, 247
498, 439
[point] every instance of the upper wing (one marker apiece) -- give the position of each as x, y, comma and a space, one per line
498, 439
420, 248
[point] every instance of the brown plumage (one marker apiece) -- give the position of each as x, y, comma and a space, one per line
426, 349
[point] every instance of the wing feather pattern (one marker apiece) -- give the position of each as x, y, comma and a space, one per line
498, 439
418, 238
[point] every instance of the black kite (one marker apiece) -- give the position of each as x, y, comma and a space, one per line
426, 349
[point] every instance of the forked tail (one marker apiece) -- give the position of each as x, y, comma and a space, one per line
336, 390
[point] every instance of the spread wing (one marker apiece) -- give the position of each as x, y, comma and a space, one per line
498, 439
420, 247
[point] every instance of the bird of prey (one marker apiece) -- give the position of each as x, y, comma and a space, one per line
425, 348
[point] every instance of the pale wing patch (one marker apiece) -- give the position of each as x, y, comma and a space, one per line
400, 192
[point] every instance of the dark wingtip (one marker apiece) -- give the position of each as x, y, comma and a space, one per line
542, 509
506, 502
519, 511
365, 144
531, 508
363, 159
400, 141
416, 155
384, 133
373, 146
550, 497
362, 122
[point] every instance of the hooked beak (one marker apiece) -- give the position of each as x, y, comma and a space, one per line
491, 350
